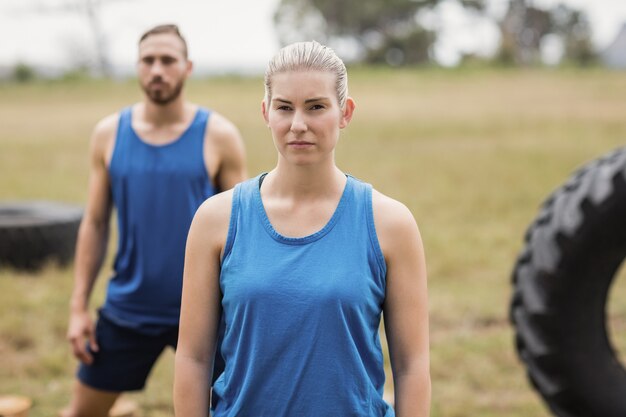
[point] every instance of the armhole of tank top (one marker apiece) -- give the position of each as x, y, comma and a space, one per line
205, 129
232, 223
206, 116
371, 226
121, 119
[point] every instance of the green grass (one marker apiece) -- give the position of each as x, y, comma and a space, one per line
472, 154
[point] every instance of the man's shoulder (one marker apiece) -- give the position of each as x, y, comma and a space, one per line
223, 137
103, 136
220, 128
107, 126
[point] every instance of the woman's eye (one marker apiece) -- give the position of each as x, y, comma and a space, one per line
317, 107
283, 108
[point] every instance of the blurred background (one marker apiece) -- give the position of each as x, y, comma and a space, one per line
470, 112
52, 38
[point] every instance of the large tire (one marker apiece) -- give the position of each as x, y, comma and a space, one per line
561, 282
34, 233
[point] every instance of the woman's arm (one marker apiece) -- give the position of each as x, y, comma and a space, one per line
406, 306
200, 307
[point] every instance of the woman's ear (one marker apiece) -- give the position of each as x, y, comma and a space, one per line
348, 111
264, 111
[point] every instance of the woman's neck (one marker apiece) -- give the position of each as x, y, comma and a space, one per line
304, 182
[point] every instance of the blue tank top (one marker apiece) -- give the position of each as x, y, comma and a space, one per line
156, 191
300, 316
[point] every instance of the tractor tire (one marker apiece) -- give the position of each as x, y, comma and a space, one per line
561, 281
35, 233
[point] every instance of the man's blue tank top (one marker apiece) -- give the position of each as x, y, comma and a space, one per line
156, 191
300, 316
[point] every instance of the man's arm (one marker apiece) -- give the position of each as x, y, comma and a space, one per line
406, 306
230, 151
92, 240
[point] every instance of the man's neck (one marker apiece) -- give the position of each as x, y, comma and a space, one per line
156, 114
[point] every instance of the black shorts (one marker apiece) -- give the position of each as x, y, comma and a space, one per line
125, 358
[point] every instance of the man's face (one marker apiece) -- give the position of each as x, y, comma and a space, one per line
162, 67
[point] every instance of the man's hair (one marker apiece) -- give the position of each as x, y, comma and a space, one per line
169, 29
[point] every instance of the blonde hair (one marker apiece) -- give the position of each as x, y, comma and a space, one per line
308, 56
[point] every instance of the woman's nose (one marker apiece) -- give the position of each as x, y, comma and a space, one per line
298, 124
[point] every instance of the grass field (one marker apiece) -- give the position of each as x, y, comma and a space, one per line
471, 152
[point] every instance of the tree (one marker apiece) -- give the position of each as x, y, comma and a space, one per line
377, 30
23, 73
575, 30
525, 27
91, 10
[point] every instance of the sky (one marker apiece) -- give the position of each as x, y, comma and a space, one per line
231, 35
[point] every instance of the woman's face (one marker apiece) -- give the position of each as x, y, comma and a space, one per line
304, 116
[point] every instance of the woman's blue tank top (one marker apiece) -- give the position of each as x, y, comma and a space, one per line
301, 315
156, 191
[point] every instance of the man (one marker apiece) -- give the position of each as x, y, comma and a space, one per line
155, 162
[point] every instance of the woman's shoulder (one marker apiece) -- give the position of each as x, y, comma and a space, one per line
393, 220
389, 211
215, 210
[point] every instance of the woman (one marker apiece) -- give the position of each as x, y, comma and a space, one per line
293, 269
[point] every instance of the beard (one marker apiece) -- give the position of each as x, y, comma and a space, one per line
164, 95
